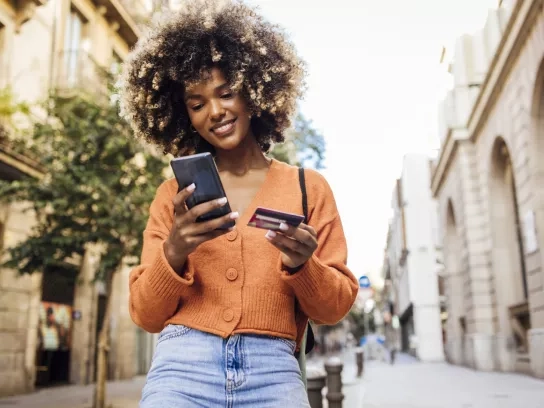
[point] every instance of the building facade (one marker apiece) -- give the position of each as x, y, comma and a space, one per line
489, 185
64, 45
411, 261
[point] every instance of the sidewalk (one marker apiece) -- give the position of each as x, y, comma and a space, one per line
411, 384
120, 394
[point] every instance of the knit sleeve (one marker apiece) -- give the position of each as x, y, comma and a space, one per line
325, 288
155, 288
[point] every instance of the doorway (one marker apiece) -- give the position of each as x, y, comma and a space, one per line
55, 326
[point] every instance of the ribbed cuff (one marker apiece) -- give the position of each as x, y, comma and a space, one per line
164, 281
307, 281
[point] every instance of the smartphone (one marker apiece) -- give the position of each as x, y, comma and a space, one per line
266, 218
201, 169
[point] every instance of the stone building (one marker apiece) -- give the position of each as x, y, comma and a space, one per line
489, 184
410, 267
62, 44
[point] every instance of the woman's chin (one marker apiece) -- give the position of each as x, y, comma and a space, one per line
228, 143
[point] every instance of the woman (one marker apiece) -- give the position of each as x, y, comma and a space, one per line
230, 306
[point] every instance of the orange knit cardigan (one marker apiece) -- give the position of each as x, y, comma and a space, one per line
236, 283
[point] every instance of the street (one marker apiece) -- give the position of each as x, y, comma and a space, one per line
407, 384
410, 384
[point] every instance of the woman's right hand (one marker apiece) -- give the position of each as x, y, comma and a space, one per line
187, 234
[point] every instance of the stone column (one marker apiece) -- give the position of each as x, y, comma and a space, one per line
475, 231
20, 298
536, 349
84, 330
123, 330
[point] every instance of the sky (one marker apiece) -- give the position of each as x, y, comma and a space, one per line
374, 84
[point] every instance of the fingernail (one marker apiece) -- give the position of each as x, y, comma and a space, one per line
270, 234
191, 187
234, 215
284, 226
222, 201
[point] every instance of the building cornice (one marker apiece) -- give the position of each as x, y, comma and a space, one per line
121, 19
519, 26
516, 31
447, 154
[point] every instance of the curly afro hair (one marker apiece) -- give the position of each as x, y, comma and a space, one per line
253, 54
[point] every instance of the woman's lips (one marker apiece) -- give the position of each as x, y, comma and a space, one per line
225, 128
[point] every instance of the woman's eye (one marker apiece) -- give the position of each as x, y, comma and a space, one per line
227, 95
196, 107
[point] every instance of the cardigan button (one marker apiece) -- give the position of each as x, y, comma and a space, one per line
228, 315
232, 274
231, 236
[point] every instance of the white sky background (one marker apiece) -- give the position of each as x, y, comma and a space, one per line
373, 88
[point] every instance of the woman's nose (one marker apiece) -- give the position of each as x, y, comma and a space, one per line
217, 110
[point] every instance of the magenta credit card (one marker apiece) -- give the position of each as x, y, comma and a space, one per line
266, 218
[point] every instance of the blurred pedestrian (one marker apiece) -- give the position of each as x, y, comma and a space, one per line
391, 338
231, 306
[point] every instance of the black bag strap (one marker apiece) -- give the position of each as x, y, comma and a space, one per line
302, 182
310, 338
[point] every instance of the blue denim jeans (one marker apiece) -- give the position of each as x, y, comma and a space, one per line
191, 368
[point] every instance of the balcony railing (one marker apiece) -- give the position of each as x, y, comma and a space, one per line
77, 72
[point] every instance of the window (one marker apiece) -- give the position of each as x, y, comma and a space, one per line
76, 43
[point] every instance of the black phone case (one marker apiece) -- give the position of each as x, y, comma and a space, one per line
201, 170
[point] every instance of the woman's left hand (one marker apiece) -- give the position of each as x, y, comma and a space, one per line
296, 244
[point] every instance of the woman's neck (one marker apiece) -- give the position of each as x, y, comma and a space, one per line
248, 155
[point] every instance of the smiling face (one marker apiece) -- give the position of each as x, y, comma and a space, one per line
217, 113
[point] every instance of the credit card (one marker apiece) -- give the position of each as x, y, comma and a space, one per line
267, 218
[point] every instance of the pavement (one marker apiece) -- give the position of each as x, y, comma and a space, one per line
406, 384
411, 384
120, 394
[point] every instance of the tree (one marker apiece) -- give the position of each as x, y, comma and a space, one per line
9, 108
99, 184
304, 145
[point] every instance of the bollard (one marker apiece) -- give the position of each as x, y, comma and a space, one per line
360, 359
334, 382
316, 382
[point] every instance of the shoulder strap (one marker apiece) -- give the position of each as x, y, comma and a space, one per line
308, 340
302, 182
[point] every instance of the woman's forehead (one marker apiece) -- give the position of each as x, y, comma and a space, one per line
208, 78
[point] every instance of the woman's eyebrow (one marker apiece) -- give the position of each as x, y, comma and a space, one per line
197, 96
